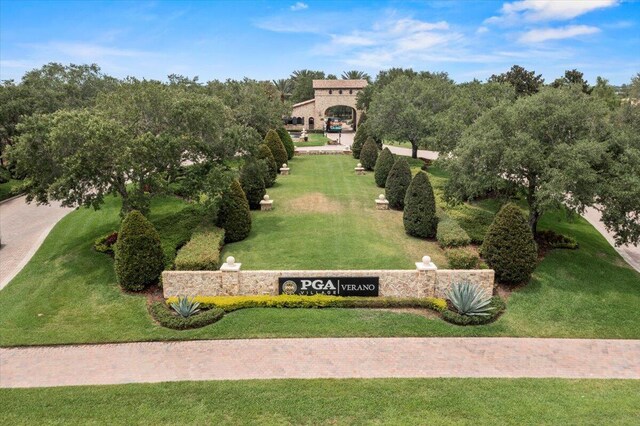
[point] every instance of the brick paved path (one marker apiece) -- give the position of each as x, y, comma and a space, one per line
23, 228
318, 358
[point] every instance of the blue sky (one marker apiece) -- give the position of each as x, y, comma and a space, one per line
269, 39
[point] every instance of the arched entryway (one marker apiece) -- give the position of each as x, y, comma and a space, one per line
312, 123
340, 118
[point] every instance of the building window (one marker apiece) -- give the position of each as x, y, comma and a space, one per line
340, 91
330, 91
351, 91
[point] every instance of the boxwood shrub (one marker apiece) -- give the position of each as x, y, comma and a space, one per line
271, 172
383, 167
463, 258
202, 252
450, 234
234, 215
419, 215
369, 154
397, 183
272, 140
164, 315
252, 182
285, 137
497, 304
554, 240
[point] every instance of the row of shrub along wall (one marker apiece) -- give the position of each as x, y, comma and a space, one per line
322, 152
393, 283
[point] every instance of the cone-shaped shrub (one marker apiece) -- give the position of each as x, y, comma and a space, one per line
285, 137
234, 216
252, 183
369, 154
139, 257
359, 139
509, 247
277, 148
419, 215
397, 183
383, 167
265, 155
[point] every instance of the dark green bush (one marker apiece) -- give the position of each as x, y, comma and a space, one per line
202, 252
397, 183
252, 183
285, 137
450, 234
474, 220
175, 230
358, 140
5, 175
271, 173
497, 304
139, 257
509, 247
169, 319
234, 215
552, 239
106, 243
383, 167
462, 258
272, 140
369, 154
419, 215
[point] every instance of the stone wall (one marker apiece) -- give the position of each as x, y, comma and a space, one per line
394, 283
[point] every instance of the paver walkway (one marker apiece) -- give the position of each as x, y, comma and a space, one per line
318, 358
23, 228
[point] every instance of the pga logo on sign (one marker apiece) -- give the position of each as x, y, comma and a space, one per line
334, 286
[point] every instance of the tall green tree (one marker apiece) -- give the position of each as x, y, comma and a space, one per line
272, 140
552, 145
606, 93
252, 182
571, 77
406, 109
303, 84
356, 75
285, 87
524, 82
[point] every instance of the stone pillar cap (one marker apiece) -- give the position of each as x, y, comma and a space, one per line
230, 265
426, 264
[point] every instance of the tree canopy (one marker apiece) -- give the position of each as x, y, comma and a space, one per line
524, 82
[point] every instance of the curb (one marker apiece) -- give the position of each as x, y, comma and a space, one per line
11, 198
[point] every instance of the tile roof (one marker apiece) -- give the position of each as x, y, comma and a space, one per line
339, 84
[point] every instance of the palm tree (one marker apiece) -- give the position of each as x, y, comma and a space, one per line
356, 75
284, 86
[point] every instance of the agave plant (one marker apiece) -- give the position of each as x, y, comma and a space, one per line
469, 299
185, 307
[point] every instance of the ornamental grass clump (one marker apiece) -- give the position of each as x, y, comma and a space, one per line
469, 299
397, 183
234, 215
139, 258
271, 172
185, 307
419, 215
383, 167
369, 154
509, 247
285, 137
272, 140
252, 182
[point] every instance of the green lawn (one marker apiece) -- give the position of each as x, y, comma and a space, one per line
68, 293
6, 189
388, 401
313, 139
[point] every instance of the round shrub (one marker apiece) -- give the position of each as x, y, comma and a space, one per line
277, 148
139, 257
285, 137
397, 183
265, 155
369, 154
234, 215
383, 167
419, 215
509, 247
252, 183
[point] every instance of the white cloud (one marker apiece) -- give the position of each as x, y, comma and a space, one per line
482, 30
299, 6
352, 40
547, 10
543, 34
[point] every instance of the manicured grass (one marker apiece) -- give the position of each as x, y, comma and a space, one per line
68, 293
374, 401
324, 217
313, 139
6, 189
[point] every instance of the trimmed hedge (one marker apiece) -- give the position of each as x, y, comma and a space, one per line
233, 303
106, 243
252, 182
169, 319
383, 167
271, 172
397, 183
369, 154
450, 234
272, 140
509, 247
234, 215
202, 252
463, 258
475, 221
139, 259
497, 304
554, 240
286, 140
419, 215
358, 140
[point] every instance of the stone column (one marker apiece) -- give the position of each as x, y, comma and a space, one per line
230, 276
427, 275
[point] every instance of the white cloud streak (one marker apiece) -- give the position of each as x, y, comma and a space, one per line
299, 6
546, 10
540, 35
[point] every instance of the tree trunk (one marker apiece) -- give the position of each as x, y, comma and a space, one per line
534, 213
414, 150
534, 216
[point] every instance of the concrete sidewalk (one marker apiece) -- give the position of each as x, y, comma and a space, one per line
318, 358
